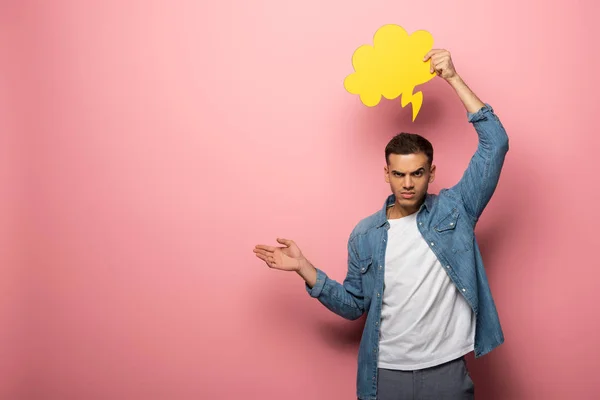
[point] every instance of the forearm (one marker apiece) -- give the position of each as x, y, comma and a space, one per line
345, 300
469, 99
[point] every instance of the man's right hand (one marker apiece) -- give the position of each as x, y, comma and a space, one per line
287, 258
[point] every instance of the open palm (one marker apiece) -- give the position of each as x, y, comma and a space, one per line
286, 257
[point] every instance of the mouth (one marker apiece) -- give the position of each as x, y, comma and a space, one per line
407, 195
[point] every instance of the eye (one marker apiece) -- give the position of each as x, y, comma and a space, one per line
419, 173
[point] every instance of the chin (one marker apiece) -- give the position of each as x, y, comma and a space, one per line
408, 202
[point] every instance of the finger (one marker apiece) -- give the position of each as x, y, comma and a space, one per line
439, 57
263, 257
263, 252
436, 65
435, 61
431, 53
286, 242
270, 261
265, 247
440, 65
439, 52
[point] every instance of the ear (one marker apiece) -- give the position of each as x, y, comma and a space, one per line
432, 174
386, 173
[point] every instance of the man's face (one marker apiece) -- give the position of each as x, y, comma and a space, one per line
409, 176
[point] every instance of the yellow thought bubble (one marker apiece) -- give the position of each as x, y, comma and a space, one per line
391, 67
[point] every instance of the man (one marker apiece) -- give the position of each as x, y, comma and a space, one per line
415, 268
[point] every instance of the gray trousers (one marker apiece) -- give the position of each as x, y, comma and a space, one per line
449, 381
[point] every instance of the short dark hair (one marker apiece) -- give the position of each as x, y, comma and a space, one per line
409, 143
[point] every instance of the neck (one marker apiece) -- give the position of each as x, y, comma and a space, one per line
398, 211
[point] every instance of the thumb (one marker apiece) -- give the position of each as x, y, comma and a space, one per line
286, 242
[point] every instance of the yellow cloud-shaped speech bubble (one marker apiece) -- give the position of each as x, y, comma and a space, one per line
391, 67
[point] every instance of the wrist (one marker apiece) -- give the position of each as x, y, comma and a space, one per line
455, 81
303, 266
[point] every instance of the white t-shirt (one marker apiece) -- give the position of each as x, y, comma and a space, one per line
425, 321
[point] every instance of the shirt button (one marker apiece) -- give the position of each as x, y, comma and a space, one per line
433, 244
380, 267
378, 294
464, 290
363, 269
448, 266
376, 323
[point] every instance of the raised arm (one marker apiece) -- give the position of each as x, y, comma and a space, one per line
480, 179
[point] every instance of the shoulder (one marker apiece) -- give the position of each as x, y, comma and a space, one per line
366, 225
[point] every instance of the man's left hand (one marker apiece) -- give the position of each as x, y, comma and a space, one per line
441, 63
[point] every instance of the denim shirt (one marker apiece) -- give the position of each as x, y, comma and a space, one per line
447, 222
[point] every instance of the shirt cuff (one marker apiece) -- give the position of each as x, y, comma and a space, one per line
318, 287
480, 114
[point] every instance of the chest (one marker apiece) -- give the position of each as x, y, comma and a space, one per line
446, 234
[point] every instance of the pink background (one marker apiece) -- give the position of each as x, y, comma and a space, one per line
146, 147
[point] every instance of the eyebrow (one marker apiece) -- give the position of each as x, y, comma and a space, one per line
413, 172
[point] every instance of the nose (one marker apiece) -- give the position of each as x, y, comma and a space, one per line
407, 184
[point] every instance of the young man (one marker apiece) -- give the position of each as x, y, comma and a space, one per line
415, 268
